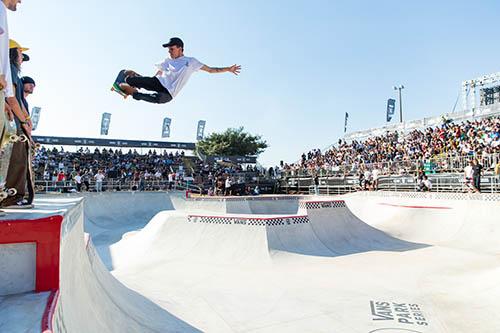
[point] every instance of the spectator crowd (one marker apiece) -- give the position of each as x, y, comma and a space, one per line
470, 139
87, 169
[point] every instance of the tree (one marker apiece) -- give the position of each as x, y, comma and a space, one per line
232, 142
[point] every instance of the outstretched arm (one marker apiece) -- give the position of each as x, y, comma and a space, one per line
235, 69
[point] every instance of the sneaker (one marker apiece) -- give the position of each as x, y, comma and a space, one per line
21, 204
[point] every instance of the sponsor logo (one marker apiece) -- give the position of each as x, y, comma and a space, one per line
402, 313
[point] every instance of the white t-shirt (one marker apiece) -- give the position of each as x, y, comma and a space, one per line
78, 179
468, 171
375, 174
99, 177
427, 183
4, 51
176, 73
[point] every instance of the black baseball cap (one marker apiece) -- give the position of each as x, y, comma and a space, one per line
174, 41
27, 79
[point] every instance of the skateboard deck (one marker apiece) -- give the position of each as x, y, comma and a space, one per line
120, 78
31, 148
8, 136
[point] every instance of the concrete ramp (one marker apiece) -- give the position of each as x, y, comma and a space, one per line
110, 216
464, 221
92, 300
342, 232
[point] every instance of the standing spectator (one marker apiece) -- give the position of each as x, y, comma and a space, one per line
361, 179
426, 184
375, 175
476, 174
99, 177
61, 176
316, 185
86, 180
28, 84
78, 181
368, 179
468, 174
142, 178
171, 177
228, 185
497, 172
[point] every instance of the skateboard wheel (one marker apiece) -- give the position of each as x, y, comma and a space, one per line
3, 195
13, 138
11, 191
23, 138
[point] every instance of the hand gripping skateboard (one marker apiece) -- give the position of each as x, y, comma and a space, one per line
120, 78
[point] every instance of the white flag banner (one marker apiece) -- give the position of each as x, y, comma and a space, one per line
200, 132
106, 119
165, 133
35, 116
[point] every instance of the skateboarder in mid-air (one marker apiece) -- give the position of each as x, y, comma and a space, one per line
172, 75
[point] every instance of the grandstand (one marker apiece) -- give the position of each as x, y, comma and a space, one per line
441, 147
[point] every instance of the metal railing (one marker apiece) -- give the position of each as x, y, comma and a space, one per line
441, 183
46, 186
436, 164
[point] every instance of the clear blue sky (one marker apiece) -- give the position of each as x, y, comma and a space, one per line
304, 63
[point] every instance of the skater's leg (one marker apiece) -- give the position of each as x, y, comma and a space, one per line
149, 83
157, 98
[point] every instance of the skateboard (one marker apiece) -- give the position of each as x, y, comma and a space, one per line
120, 78
8, 136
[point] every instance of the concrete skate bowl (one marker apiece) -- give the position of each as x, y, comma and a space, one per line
321, 269
110, 216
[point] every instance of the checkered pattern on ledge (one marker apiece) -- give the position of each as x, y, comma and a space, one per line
270, 222
255, 198
325, 204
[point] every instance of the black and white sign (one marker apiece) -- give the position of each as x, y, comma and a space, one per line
105, 121
201, 130
165, 133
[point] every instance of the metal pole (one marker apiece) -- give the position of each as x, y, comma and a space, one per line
400, 105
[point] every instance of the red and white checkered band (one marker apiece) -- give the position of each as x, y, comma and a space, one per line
278, 221
325, 204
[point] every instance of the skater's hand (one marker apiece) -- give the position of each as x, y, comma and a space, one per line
27, 128
9, 113
3, 83
235, 69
